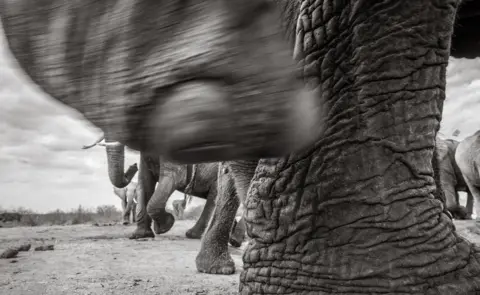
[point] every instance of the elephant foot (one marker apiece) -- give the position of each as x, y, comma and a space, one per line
163, 223
141, 233
459, 213
194, 233
219, 263
125, 223
237, 234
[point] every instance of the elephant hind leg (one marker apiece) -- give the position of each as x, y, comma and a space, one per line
198, 229
237, 234
459, 212
475, 191
469, 205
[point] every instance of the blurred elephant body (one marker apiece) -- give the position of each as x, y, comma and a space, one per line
452, 180
128, 197
467, 157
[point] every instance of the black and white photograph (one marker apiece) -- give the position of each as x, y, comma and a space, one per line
220, 147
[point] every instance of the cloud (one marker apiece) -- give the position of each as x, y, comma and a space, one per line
462, 103
44, 168
42, 164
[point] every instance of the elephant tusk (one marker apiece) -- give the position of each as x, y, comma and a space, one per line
135, 201
111, 143
94, 144
100, 143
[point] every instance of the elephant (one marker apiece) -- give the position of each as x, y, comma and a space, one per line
452, 180
199, 180
208, 179
128, 196
214, 257
340, 101
467, 157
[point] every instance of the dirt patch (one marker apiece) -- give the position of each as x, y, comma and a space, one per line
102, 260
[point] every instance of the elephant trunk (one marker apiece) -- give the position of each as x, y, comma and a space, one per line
116, 162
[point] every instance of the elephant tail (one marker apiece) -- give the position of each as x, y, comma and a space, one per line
191, 174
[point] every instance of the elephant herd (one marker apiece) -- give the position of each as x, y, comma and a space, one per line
209, 181
322, 114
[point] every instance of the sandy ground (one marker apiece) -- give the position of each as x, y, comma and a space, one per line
100, 260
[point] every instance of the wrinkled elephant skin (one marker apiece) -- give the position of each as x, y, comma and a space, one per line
353, 213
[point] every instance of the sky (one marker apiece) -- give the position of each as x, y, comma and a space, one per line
42, 165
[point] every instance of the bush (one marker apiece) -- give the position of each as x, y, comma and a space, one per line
26, 217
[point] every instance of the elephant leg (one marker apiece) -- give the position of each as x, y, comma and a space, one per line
197, 230
146, 187
134, 212
475, 191
457, 210
124, 210
469, 205
237, 233
128, 211
213, 256
162, 220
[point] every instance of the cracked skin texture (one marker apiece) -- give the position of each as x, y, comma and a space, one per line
355, 214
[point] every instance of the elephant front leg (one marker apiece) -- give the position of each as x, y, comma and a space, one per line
125, 212
469, 205
213, 257
197, 230
146, 187
475, 192
134, 212
162, 220
126, 215
128, 210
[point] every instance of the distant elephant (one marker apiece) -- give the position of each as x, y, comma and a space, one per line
467, 157
452, 179
179, 206
340, 100
128, 196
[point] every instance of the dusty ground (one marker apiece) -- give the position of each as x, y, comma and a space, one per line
100, 260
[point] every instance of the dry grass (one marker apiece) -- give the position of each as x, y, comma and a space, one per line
106, 214
80, 215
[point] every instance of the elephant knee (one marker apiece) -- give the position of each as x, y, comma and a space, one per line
153, 210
